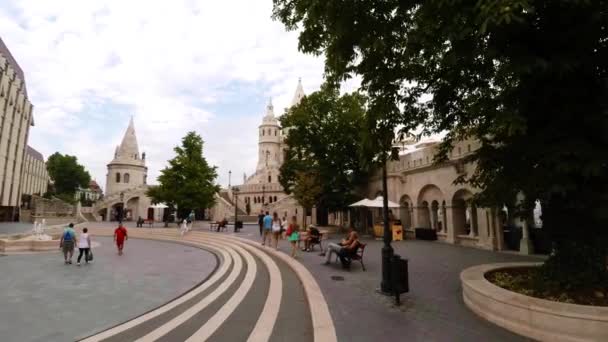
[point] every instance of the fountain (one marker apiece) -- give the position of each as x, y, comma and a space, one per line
36, 241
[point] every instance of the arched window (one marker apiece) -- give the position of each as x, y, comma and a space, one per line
269, 179
275, 198
275, 132
269, 199
126, 178
117, 177
263, 131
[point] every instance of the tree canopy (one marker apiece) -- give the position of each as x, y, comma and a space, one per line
527, 78
324, 142
188, 182
67, 174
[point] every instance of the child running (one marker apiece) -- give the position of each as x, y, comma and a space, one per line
293, 235
120, 235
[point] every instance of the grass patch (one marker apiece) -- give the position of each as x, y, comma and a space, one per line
530, 282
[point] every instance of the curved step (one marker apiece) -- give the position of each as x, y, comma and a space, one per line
256, 294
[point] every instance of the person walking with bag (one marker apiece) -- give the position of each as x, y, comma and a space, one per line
277, 226
84, 247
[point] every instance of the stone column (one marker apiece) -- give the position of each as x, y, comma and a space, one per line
493, 227
451, 231
469, 211
525, 244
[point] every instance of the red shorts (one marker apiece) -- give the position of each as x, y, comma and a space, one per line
120, 243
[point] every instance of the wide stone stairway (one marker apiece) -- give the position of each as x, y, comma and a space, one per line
254, 294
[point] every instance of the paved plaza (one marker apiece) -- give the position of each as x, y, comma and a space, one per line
228, 290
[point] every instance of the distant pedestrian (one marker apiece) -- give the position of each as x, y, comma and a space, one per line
120, 235
84, 246
293, 235
277, 227
261, 221
67, 242
191, 218
267, 229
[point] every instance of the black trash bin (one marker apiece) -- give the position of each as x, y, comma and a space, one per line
399, 275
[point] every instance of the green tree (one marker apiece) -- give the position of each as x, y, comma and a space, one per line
527, 78
306, 190
67, 175
188, 182
324, 138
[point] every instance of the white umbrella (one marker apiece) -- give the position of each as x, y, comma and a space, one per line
378, 203
362, 203
159, 206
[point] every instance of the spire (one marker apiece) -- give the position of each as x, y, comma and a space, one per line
270, 109
299, 94
128, 149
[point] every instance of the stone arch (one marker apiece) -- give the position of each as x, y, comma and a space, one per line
429, 198
132, 208
406, 211
464, 213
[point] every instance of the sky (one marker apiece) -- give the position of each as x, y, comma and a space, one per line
175, 66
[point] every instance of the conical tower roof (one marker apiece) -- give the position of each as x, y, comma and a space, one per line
299, 94
128, 150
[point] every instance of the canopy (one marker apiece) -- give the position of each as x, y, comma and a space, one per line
375, 203
159, 206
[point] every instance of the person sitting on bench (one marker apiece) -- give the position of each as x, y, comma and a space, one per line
222, 224
351, 242
347, 252
312, 238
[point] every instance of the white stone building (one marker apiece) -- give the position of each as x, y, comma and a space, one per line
15, 121
262, 190
35, 179
126, 183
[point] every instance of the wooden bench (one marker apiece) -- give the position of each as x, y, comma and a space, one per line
357, 256
213, 226
149, 223
304, 236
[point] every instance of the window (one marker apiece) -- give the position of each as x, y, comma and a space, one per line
269, 179
275, 198
269, 199
275, 132
117, 177
126, 178
263, 132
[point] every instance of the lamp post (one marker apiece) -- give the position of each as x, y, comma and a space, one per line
387, 251
235, 191
263, 194
229, 176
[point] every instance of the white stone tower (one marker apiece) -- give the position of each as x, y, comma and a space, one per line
127, 170
269, 146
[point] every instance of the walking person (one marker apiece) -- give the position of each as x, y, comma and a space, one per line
67, 242
267, 222
84, 246
293, 235
120, 235
277, 227
191, 218
261, 221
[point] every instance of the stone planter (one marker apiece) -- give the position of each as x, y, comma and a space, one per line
535, 318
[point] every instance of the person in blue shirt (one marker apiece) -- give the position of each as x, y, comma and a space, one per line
267, 229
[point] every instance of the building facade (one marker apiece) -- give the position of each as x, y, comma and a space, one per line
126, 183
262, 190
15, 121
92, 193
35, 179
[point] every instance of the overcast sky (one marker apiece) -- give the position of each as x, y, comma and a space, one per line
175, 66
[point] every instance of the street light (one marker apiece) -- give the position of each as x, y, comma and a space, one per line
235, 191
229, 176
263, 198
387, 251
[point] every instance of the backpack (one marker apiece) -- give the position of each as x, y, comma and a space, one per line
67, 236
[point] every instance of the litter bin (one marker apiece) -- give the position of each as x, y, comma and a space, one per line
399, 276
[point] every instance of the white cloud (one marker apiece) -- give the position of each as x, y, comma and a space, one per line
174, 65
